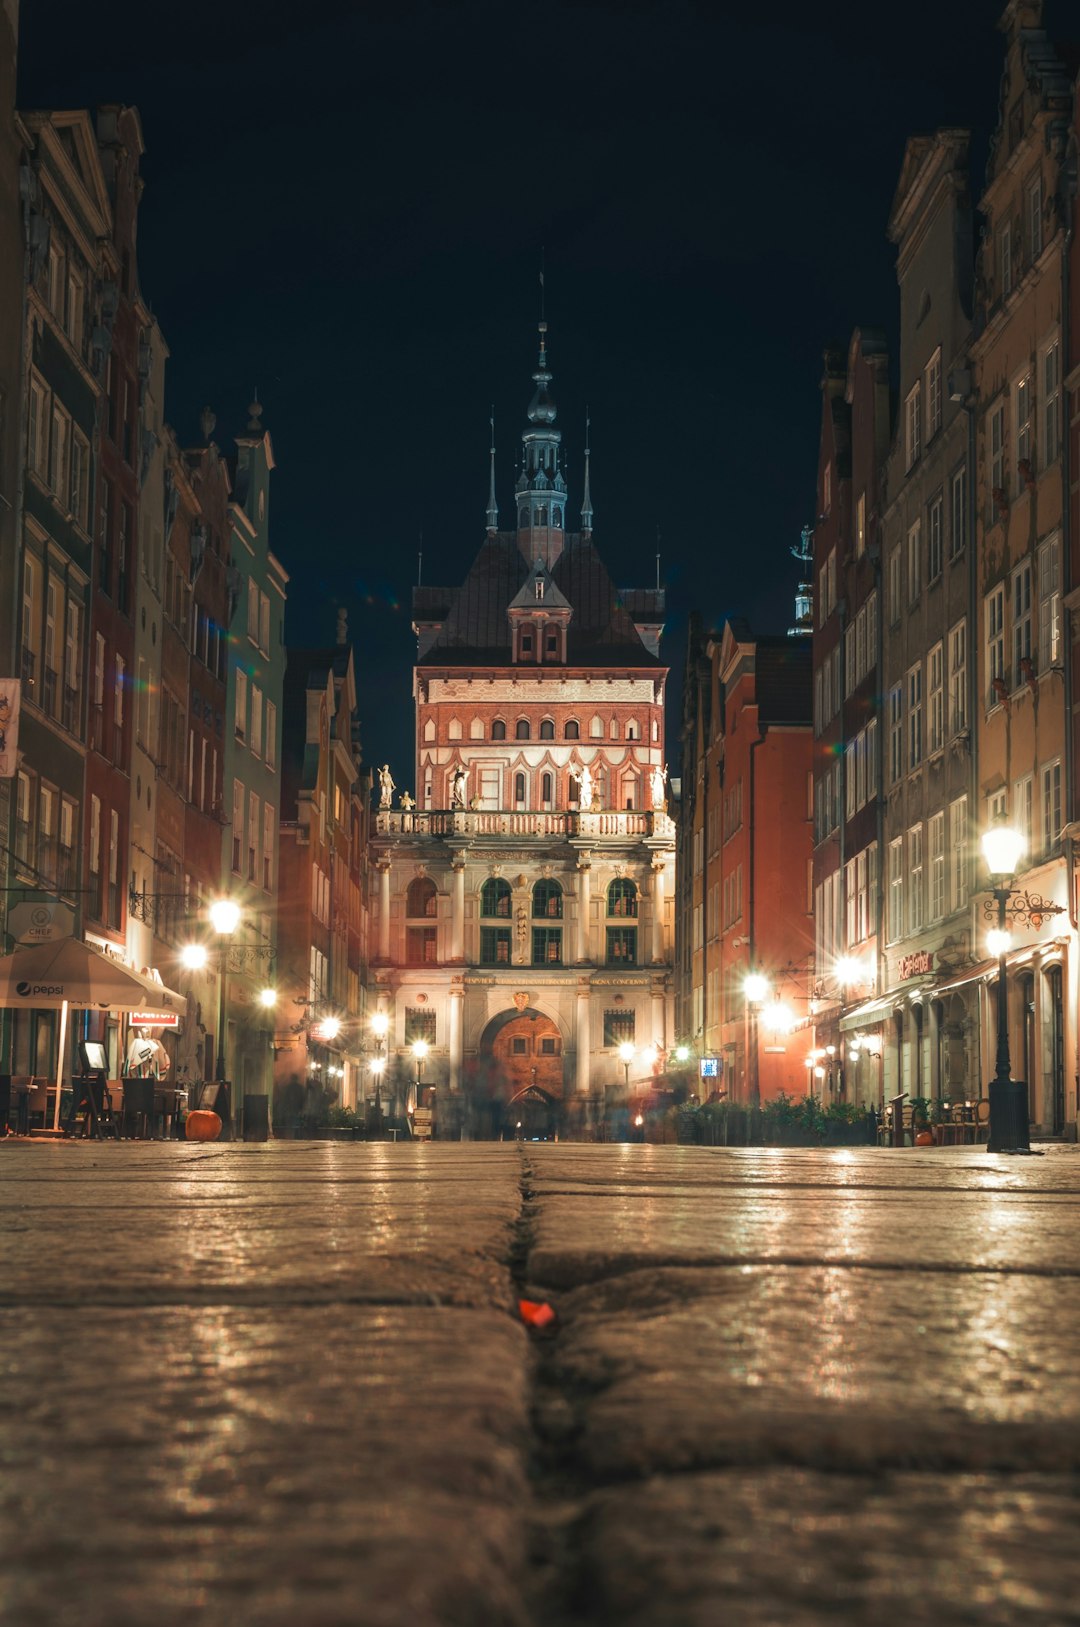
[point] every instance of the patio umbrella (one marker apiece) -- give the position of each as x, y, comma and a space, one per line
68, 972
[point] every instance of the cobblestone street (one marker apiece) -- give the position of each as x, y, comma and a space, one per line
289, 1384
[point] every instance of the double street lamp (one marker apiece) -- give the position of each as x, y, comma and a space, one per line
380, 1026
755, 987
1003, 848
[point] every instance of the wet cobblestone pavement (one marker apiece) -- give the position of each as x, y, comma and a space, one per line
289, 1384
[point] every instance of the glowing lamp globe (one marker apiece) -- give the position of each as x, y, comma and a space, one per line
1003, 848
193, 956
329, 1028
224, 916
626, 1051
268, 997
420, 1049
755, 987
380, 1023
682, 1053
998, 941
850, 970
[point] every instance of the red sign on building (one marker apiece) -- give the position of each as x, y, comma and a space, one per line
916, 965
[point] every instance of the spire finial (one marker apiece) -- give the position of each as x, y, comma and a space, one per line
586, 496
493, 507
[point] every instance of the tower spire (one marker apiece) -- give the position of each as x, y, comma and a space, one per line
586, 496
493, 507
541, 484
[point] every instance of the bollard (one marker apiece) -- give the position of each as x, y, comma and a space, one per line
1008, 1116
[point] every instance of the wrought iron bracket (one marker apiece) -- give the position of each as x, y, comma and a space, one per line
1021, 909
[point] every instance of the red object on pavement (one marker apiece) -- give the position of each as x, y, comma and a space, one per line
537, 1313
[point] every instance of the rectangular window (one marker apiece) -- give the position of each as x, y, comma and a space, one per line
253, 610
915, 879
119, 674
268, 847
264, 623
958, 678
860, 645
849, 780
958, 513
618, 1028
421, 946
1051, 806
914, 561
237, 826
915, 715
860, 769
494, 946
935, 687
849, 660
851, 904
72, 666
958, 842
256, 720
253, 837
419, 1025
271, 735
933, 394
896, 889
1022, 428
895, 603
1051, 403
995, 646
1021, 628
1035, 219
937, 866
934, 516
547, 946
52, 648
38, 429
860, 526
871, 631
1005, 260
60, 453
241, 703
896, 734
621, 946
79, 494
1023, 815
998, 485
913, 425
1049, 565
871, 759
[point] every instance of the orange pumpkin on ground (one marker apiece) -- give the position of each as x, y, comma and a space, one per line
925, 1138
202, 1125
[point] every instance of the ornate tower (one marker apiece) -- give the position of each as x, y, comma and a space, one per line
541, 485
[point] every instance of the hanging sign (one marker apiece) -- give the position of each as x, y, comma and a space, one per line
10, 698
41, 922
916, 965
155, 1019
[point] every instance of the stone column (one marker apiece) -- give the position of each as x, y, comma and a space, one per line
384, 909
582, 1038
656, 1017
657, 903
457, 908
456, 1038
1039, 1109
584, 870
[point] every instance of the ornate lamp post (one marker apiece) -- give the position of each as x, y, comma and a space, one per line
755, 988
626, 1056
420, 1051
380, 1025
1003, 848
224, 918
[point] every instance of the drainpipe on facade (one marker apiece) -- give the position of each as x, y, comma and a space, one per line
879, 655
1069, 180
837, 1080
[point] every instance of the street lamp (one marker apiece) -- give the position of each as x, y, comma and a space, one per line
626, 1054
193, 956
380, 1027
268, 998
224, 918
1003, 848
755, 987
420, 1051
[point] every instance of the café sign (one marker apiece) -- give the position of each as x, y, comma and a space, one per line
916, 965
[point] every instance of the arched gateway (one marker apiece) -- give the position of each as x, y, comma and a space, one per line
520, 1081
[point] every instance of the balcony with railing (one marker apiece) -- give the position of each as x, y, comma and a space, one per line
30, 676
24, 844
628, 824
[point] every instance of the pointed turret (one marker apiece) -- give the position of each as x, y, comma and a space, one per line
493, 507
541, 485
586, 496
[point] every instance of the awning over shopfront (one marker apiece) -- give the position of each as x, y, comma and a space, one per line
869, 1014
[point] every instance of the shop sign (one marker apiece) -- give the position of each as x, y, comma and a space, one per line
155, 1019
10, 697
40, 922
916, 965
709, 1067
422, 1124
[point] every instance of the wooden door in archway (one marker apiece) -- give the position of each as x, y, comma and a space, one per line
528, 1051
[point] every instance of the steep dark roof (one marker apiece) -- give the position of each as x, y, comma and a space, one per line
477, 631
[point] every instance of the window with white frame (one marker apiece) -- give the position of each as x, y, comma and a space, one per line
850, 779
895, 603
38, 429
1034, 214
997, 807
60, 452
896, 734
849, 659
958, 719
1023, 814
1021, 628
241, 704
1051, 805
995, 644
860, 525
933, 394
935, 695
860, 769
913, 425
915, 878
1005, 260
1051, 403
958, 513
830, 582
271, 735
915, 714
936, 835
256, 720
862, 910
1022, 423
871, 759
997, 450
871, 630
896, 889
851, 901
958, 844
1049, 586
860, 644
914, 561
79, 491
933, 539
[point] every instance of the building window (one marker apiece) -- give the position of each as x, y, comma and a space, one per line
913, 425
895, 602
849, 659
1005, 260
896, 734
958, 678
547, 946
860, 526
1022, 427
453, 730
547, 900
271, 735
958, 839
914, 561
933, 539
522, 730
546, 790
958, 514
519, 790
421, 946
915, 717
1021, 629
421, 899
1035, 220
240, 720
1024, 809
498, 729
935, 686
896, 889
572, 730
995, 645
937, 866
619, 1028
547, 729
420, 1024
621, 946
38, 429
476, 729
495, 898
997, 453
933, 394
1051, 403
1049, 561
622, 898
1051, 806
494, 946
596, 728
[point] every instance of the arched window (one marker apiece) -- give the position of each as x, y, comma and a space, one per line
522, 732
632, 730
572, 730
546, 790
596, 728
421, 900
655, 730
429, 729
454, 730
498, 729
547, 729
476, 729
613, 729
556, 518
519, 790
543, 514
622, 898
573, 787
495, 897
523, 517
547, 901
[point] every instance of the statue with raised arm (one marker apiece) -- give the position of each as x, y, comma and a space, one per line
585, 788
386, 786
457, 787
659, 782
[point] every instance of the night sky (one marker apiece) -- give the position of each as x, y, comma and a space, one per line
346, 204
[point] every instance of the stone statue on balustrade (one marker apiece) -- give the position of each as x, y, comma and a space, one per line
457, 787
386, 786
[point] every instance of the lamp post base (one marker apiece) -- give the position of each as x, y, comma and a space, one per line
1008, 1116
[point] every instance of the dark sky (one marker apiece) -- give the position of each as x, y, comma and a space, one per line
346, 203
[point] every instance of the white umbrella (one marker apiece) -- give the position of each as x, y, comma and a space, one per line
68, 972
